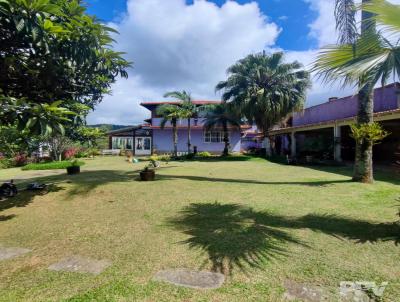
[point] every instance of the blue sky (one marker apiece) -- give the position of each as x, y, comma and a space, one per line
293, 16
189, 44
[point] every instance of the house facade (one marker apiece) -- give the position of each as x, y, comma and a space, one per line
324, 130
151, 138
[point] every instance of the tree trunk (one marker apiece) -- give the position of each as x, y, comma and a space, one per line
226, 140
363, 165
175, 137
189, 140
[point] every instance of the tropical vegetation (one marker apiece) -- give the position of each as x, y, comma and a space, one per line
171, 113
222, 116
57, 63
188, 111
365, 57
265, 88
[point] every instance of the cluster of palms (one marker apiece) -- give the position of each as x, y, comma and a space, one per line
216, 115
261, 89
363, 57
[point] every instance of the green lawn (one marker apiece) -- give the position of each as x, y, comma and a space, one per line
258, 222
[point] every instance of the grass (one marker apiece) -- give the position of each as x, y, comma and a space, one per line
52, 165
258, 222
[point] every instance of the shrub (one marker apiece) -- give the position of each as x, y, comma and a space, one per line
53, 165
203, 154
20, 160
164, 157
70, 152
6, 163
93, 152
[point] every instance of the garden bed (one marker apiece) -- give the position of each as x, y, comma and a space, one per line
52, 165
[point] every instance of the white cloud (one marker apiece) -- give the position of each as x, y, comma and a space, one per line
177, 46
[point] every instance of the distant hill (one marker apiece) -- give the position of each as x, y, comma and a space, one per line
109, 127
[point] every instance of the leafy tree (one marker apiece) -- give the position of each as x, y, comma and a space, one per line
365, 59
13, 141
171, 113
54, 58
89, 135
223, 116
188, 110
265, 88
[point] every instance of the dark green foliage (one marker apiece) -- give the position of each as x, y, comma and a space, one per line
265, 88
53, 165
56, 63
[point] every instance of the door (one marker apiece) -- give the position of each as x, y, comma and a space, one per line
143, 146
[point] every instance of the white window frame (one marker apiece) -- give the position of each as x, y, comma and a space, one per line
213, 136
122, 137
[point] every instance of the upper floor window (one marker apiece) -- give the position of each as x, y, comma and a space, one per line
213, 136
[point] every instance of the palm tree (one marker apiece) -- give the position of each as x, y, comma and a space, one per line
364, 59
222, 115
265, 88
171, 113
188, 110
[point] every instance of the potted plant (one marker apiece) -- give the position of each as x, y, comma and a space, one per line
148, 174
74, 168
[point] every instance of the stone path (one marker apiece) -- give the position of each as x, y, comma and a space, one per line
297, 291
191, 279
80, 264
11, 252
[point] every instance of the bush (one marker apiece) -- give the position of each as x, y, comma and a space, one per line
203, 154
70, 152
53, 165
164, 157
6, 163
20, 160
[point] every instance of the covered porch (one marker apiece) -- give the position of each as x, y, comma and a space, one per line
331, 140
137, 139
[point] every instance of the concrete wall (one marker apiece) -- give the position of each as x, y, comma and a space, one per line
385, 98
162, 141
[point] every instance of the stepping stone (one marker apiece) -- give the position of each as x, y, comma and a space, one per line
297, 291
80, 264
191, 279
364, 291
11, 252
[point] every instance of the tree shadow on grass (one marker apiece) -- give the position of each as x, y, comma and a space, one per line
251, 181
234, 236
23, 198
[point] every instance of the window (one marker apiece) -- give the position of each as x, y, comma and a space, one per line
125, 143
213, 136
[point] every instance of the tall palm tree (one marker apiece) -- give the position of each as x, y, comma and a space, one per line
265, 88
222, 115
364, 59
188, 110
171, 113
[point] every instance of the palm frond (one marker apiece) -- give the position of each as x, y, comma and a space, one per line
385, 13
346, 25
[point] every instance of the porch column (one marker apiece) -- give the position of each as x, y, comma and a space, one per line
293, 150
337, 143
267, 144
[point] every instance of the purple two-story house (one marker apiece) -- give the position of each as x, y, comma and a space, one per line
150, 138
324, 129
